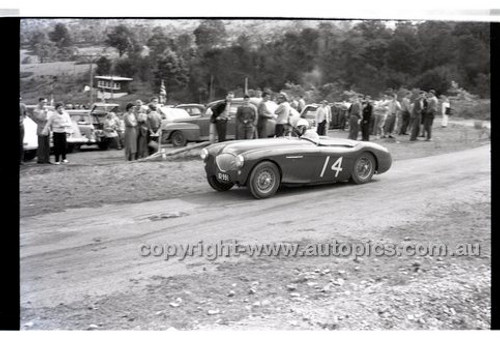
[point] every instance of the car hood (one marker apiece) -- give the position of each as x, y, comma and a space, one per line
240, 146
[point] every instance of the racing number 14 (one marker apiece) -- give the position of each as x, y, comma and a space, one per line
337, 166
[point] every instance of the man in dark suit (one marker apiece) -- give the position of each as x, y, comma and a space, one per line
355, 113
366, 119
220, 116
416, 115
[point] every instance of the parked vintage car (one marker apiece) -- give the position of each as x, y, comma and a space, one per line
80, 134
193, 109
98, 112
337, 110
197, 127
30, 140
308, 159
83, 129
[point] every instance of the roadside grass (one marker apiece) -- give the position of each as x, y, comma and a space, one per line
95, 178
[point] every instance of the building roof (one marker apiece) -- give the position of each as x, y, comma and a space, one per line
113, 78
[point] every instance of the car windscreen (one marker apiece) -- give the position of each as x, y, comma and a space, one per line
310, 113
194, 111
81, 119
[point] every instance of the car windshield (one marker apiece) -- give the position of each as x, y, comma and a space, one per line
81, 119
194, 111
311, 136
310, 112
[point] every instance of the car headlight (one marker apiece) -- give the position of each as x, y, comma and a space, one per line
204, 154
239, 161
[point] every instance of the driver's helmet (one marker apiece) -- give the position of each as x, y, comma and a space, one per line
311, 136
302, 126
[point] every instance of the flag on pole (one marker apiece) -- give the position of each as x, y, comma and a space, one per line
163, 93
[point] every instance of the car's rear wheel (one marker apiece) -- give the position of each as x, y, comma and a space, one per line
217, 185
264, 180
178, 139
364, 168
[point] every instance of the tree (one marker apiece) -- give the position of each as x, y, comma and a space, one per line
185, 46
122, 39
125, 67
171, 69
42, 46
209, 34
103, 66
159, 41
60, 36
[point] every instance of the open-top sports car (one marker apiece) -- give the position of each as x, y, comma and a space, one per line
263, 165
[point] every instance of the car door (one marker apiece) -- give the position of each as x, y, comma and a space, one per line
301, 165
335, 162
202, 120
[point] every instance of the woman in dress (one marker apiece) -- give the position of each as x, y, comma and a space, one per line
130, 139
142, 131
445, 111
59, 123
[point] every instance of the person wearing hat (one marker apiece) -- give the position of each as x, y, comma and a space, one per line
59, 123
282, 112
154, 125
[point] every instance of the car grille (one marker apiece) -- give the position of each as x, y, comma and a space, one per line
226, 162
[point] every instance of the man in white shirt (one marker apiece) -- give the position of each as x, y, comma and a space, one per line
282, 112
264, 115
393, 108
40, 117
322, 117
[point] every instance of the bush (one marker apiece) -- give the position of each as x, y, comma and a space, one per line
438, 79
25, 74
27, 60
476, 109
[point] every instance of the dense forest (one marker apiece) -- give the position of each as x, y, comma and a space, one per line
199, 60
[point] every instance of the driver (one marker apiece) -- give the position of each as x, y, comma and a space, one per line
303, 131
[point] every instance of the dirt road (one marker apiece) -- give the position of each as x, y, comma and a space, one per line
82, 256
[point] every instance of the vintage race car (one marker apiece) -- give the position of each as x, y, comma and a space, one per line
263, 165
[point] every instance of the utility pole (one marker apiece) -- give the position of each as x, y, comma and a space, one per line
91, 81
210, 94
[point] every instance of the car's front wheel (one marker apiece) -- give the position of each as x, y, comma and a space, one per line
217, 185
264, 180
364, 168
178, 139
